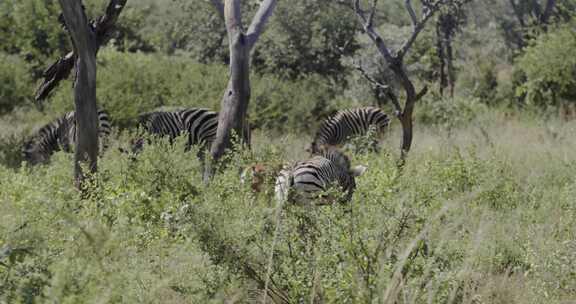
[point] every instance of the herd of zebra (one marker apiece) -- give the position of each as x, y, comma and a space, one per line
301, 181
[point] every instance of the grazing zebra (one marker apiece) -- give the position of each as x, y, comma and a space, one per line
60, 134
198, 124
307, 179
337, 129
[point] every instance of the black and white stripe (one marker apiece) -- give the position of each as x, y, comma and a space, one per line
349, 123
163, 124
60, 134
199, 124
308, 179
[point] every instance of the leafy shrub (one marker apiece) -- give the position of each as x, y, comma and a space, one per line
15, 83
31, 29
550, 67
149, 230
298, 42
11, 150
133, 83
481, 81
449, 112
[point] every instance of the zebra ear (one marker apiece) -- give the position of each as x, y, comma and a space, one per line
358, 170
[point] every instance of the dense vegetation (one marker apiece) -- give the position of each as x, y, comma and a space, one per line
483, 211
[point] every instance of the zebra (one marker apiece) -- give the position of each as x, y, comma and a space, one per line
199, 124
307, 179
336, 130
60, 134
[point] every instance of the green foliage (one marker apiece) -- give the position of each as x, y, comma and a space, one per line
449, 113
460, 221
31, 29
131, 84
15, 83
550, 68
294, 106
481, 81
307, 37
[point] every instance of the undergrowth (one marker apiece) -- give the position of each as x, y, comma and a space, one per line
463, 222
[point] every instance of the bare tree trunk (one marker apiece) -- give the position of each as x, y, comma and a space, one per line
234, 106
84, 41
449, 63
545, 17
440, 49
237, 95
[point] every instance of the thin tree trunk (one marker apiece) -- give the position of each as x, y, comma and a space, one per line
545, 17
84, 43
395, 62
406, 116
449, 63
441, 56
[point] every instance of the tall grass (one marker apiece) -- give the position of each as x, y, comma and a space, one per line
484, 213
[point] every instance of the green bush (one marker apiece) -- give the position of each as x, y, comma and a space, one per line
133, 83
31, 30
15, 83
148, 229
550, 68
449, 112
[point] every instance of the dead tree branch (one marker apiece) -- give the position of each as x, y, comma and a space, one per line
259, 21
378, 85
60, 69
395, 62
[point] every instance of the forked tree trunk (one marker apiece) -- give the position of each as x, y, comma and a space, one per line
84, 43
234, 105
396, 64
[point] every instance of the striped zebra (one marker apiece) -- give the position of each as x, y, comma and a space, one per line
308, 179
60, 134
198, 124
345, 124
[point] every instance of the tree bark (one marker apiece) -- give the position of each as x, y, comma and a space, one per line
545, 17
449, 62
395, 62
443, 81
60, 69
84, 41
234, 105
